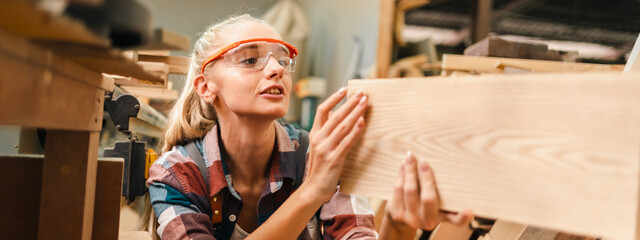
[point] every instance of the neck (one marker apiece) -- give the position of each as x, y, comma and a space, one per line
249, 143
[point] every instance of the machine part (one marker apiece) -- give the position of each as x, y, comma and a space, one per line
121, 109
135, 158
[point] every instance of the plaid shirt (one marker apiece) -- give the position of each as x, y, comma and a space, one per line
180, 201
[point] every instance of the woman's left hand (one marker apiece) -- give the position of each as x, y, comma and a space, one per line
415, 203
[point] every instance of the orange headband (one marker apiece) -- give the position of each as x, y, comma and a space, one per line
293, 52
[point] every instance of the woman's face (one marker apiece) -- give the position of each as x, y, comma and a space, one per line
249, 92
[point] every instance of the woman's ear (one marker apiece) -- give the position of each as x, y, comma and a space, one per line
206, 89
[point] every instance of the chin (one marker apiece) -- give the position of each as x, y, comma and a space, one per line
271, 113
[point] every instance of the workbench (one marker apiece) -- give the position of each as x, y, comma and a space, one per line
68, 193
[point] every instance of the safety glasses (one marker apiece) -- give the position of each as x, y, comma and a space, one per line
255, 53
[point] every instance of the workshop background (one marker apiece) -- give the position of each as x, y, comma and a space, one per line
142, 72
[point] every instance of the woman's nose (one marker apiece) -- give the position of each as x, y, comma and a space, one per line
273, 68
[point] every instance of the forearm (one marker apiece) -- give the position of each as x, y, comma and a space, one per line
291, 217
391, 230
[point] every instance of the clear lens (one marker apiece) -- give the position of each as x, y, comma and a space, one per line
256, 55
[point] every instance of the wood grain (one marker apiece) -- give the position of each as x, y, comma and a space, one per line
385, 36
106, 216
36, 87
164, 39
558, 151
452, 62
22, 179
68, 185
25, 19
633, 64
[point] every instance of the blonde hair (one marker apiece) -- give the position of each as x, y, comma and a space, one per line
191, 118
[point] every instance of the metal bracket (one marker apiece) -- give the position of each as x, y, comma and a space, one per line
132, 151
134, 155
121, 109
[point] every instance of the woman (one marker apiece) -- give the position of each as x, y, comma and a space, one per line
238, 84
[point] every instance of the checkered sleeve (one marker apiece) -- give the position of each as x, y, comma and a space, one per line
348, 216
178, 198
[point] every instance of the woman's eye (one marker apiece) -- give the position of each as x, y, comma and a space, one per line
249, 61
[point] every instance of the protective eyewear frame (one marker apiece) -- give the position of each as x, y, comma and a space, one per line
293, 52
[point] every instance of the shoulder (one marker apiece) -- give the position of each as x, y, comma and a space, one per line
177, 169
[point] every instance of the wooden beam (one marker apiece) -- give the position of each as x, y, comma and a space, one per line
106, 223
633, 64
449, 231
385, 37
558, 151
163, 39
102, 60
498, 47
176, 64
25, 19
21, 176
21, 49
480, 19
68, 185
33, 95
497, 65
503, 230
152, 93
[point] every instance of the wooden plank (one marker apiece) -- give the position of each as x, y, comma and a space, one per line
480, 19
68, 185
177, 64
497, 47
36, 96
633, 64
21, 176
106, 216
152, 93
23, 18
21, 49
163, 39
497, 65
405, 5
522, 148
102, 60
385, 37
449, 231
503, 230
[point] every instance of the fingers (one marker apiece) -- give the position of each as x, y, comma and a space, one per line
323, 110
461, 218
395, 207
345, 143
343, 119
411, 190
428, 195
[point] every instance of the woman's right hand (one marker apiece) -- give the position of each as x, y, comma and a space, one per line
331, 137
